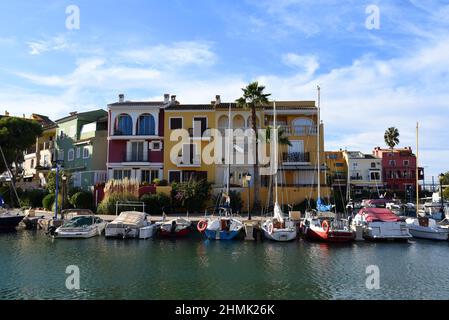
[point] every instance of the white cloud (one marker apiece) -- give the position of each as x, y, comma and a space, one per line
174, 55
55, 43
306, 64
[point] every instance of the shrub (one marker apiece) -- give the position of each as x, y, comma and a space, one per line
157, 181
82, 200
125, 186
236, 200
155, 202
107, 205
72, 191
192, 195
32, 198
47, 201
163, 183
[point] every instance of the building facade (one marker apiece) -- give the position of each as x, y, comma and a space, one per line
399, 168
136, 139
81, 147
364, 172
337, 170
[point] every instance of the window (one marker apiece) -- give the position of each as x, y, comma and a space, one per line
78, 152
189, 153
122, 174
146, 125
392, 163
175, 123
61, 155
375, 175
46, 160
71, 155
32, 163
123, 125
174, 176
373, 164
156, 146
199, 126
332, 156
136, 152
86, 152
339, 164
406, 163
149, 175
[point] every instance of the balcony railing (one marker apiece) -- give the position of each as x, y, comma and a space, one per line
194, 161
293, 157
299, 130
135, 157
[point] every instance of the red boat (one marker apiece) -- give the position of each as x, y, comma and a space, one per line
179, 227
326, 230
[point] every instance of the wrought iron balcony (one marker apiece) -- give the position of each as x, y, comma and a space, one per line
294, 157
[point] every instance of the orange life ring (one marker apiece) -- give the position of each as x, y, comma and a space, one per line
202, 225
326, 226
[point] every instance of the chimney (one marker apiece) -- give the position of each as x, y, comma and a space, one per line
166, 98
121, 98
217, 99
173, 98
7, 113
73, 113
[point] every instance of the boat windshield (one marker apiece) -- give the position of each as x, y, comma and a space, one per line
79, 222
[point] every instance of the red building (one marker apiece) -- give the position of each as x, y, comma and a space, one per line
399, 168
136, 139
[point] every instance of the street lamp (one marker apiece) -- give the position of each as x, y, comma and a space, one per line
57, 164
248, 180
441, 194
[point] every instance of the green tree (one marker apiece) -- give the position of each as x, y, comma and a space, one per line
391, 137
16, 136
254, 97
445, 180
192, 195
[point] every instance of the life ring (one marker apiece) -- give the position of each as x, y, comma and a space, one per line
202, 225
326, 226
270, 228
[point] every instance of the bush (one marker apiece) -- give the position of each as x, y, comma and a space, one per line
155, 202
160, 183
192, 195
72, 191
32, 198
82, 200
107, 206
48, 201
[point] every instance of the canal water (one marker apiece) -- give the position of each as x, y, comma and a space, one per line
33, 266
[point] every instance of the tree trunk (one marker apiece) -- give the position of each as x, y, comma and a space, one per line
256, 205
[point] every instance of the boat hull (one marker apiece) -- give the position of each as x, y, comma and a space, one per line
79, 234
8, 222
280, 235
123, 232
331, 236
221, 235
180, 233
429, 233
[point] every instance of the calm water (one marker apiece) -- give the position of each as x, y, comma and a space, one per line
32, 266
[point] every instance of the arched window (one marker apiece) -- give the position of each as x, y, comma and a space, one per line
123, 125
249, 122
223, 122
146, 125
238, 122
303, 126
305, 122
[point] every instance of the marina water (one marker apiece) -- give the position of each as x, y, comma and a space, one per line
33, 266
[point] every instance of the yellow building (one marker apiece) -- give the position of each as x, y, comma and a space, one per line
197, 153
337, 169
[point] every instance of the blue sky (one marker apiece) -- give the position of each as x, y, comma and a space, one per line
370, 78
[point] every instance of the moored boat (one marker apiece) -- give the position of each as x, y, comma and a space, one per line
130, 224
221, 228
179, 227
10, 219
381, 224
325, 227
81, 227
427, 228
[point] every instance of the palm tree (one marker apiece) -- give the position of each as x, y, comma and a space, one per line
391, 137
282, 138
253, 97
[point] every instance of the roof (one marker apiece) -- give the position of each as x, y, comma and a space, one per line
378, 214
78, 115
137, 103
280, 105
44, 120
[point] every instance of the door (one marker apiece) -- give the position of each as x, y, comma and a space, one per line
296, 151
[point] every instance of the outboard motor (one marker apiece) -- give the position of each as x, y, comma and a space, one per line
51, 230
173, 227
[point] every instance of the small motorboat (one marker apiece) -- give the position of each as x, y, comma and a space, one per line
178, 227
223, 227
324, 227
10, 219
82, 227
130, 224
279, 228
427, 228
380, 224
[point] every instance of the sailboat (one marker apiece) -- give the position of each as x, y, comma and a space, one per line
278, 228
424, 227
223, 227
322, 224
10, 218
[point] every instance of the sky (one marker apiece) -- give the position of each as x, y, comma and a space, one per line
378, 63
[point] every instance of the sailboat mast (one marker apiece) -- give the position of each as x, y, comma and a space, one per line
230, 144
417, 170
318, 141
275, 137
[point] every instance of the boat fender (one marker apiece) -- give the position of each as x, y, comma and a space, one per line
326, 226
202, 225
270, 228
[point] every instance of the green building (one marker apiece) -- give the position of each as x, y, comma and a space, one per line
81, 147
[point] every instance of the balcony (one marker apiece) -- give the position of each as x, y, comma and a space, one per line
198, 134
299, 130
296, 157
192, 162
135, 157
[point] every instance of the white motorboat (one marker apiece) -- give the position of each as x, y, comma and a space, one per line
130, 224
427, 228
380, 224
81, 227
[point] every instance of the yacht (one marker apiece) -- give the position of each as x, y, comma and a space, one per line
130, 224
81, 227
427, 228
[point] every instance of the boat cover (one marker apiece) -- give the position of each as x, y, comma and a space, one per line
131, 218
378, 214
